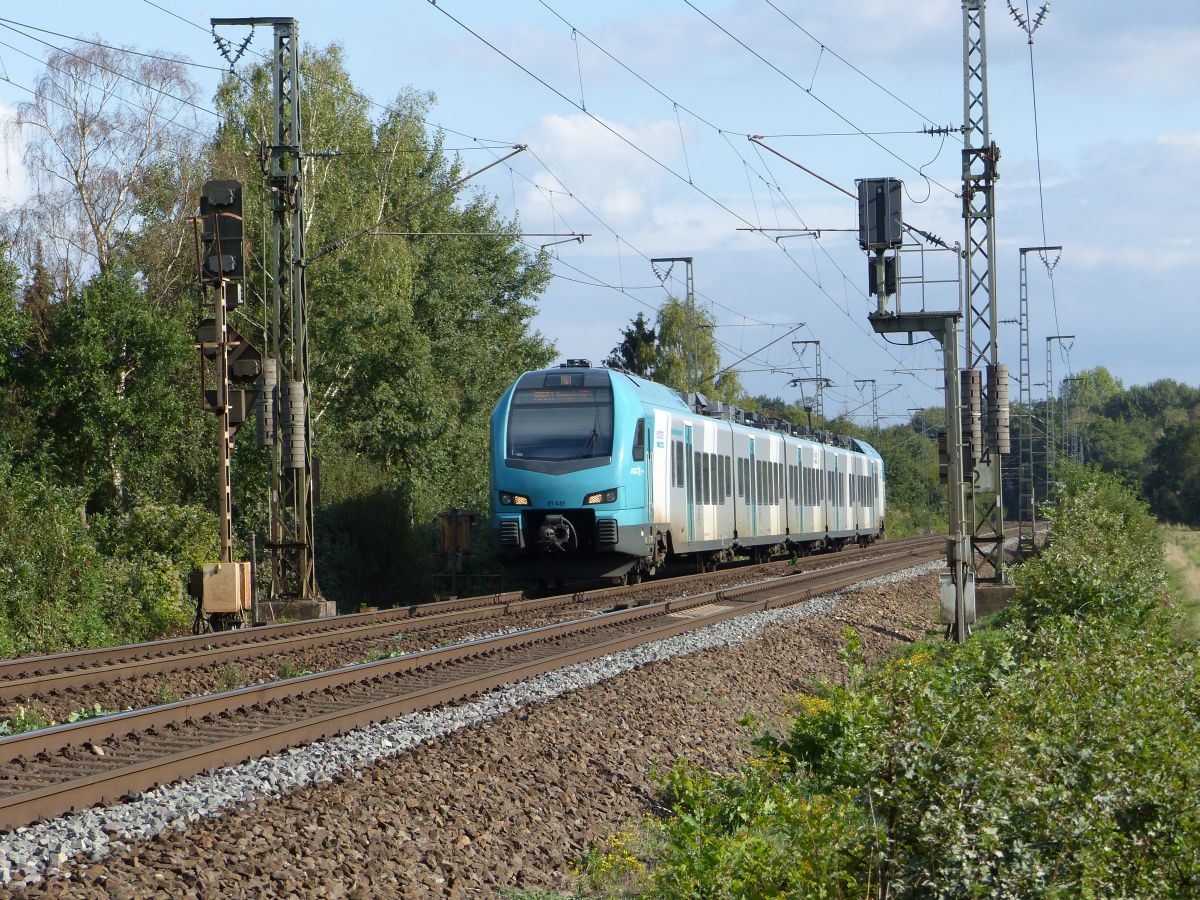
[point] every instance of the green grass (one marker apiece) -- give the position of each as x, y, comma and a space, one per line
285, 670
164, 693
230, 677
29, 719
1182, 546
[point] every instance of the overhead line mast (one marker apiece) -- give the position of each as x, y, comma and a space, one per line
980, 156
285, 411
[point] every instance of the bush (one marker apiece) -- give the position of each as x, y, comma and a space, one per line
1104, 555
1056, 757
68, 582
152, 548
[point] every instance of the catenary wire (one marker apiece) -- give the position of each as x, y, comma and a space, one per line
823, 103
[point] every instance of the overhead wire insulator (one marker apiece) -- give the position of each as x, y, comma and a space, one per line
292, 424
268, 389
999, 436
972, 403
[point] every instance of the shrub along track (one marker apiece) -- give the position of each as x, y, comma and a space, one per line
140, 675
55, 770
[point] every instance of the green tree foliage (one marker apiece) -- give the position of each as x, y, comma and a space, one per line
1173, 482
688, 359
1092, 389
1137, 434
638, 350
110, 393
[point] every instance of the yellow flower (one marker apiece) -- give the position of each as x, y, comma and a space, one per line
814, 706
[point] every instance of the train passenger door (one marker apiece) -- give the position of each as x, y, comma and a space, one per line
659, 466
692, 474
752, 493
799, 487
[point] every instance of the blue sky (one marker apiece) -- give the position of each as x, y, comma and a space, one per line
1119, 134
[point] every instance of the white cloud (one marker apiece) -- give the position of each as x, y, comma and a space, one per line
594, 169
14, 183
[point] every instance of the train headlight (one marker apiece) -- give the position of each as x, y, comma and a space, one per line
609, 496
507, 499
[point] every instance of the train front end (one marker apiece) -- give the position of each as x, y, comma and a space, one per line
568, 476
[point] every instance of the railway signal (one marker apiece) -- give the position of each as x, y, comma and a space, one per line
223, 590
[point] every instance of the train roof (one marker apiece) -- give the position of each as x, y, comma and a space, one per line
696, 403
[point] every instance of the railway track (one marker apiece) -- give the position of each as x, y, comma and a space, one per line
56, 770
23, 680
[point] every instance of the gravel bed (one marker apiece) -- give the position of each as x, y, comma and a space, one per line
467, 799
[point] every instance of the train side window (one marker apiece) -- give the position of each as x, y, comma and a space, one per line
778, 483
728, 476
639, 440
710, 486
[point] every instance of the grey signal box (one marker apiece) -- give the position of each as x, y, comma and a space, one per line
879, 223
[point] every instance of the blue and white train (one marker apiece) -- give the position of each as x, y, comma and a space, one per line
597, 473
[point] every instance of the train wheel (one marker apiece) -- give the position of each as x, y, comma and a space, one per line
633, 577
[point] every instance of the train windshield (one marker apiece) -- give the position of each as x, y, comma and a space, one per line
561, 421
